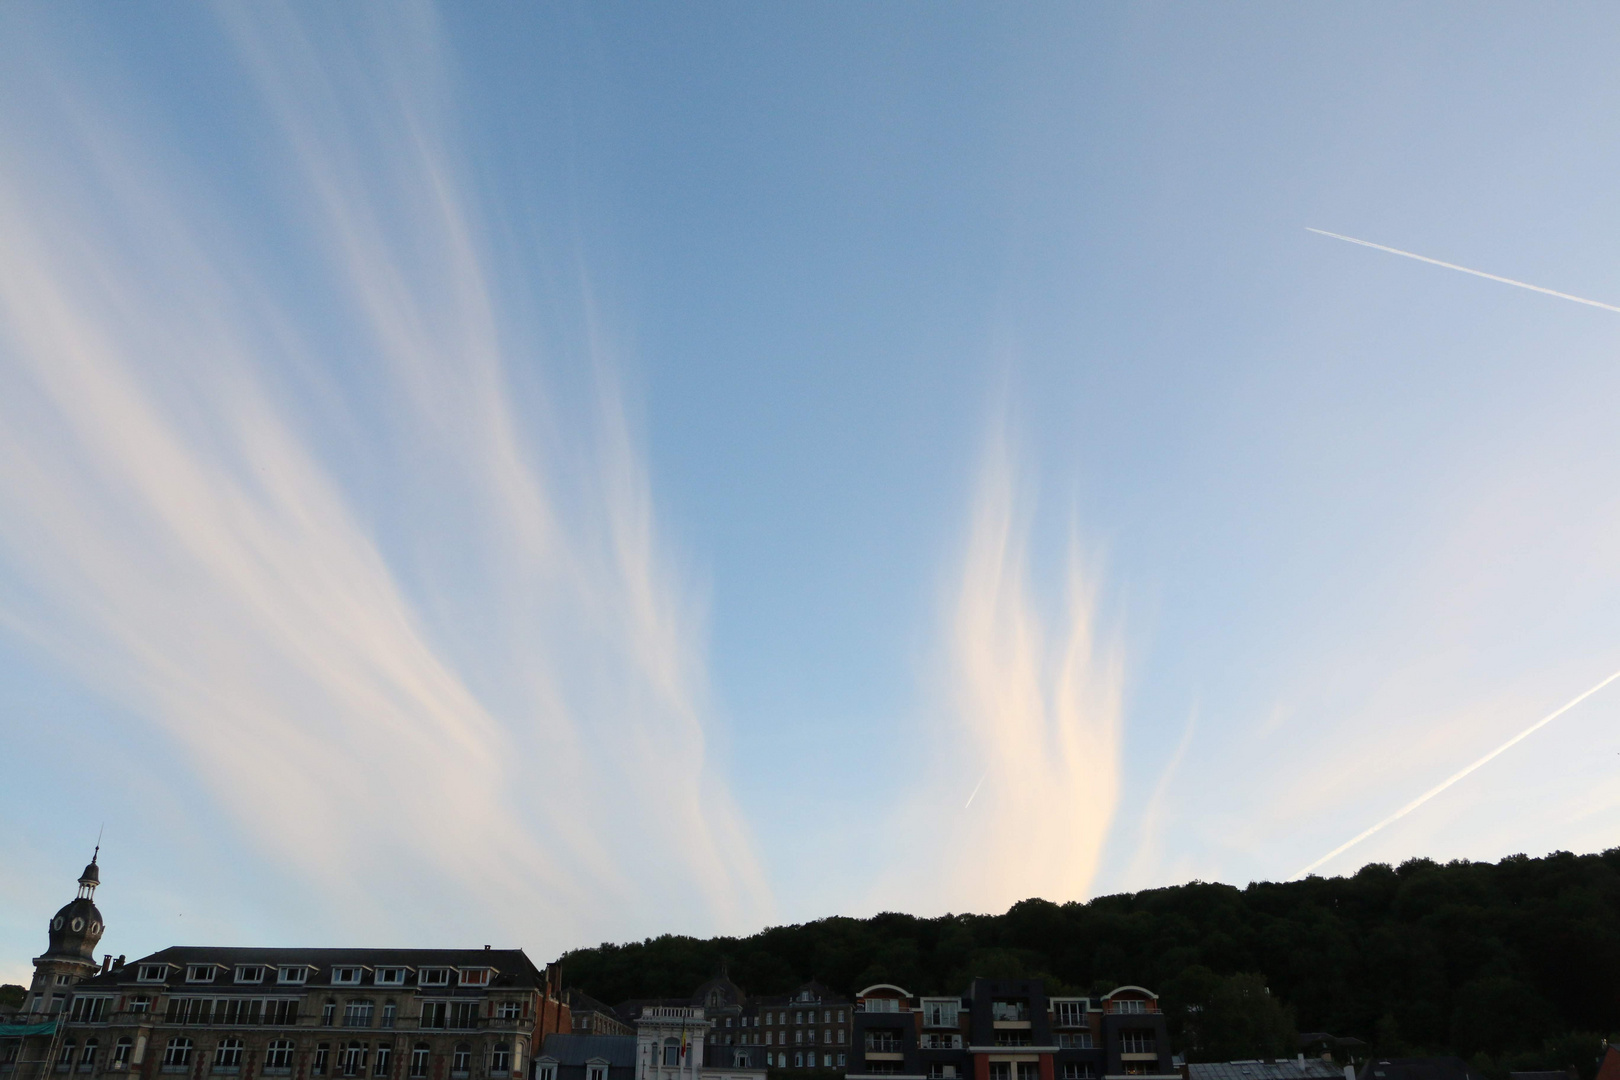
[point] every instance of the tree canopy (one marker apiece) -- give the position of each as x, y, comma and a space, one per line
1471, 958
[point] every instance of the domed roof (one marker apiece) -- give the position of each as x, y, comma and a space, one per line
91, 875
76, 929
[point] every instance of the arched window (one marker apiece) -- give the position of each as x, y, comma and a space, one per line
278, 1055
500, 1059
781, 1061
121, 1050
461, 1060
177, 1055
354, 1059
419, 1060
87, 1060
228, 1055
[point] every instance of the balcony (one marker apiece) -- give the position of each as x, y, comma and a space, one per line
941, 1042
1009, 1012
670, 1012
884, 1044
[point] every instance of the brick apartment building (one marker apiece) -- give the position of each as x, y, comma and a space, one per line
1008, 1029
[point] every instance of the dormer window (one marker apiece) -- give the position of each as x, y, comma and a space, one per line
475, 976
152, 973
346, 976
433, 977
292, 976
393, 976
249, 973
200, 973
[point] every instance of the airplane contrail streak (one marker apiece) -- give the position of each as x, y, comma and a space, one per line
1438, 788
1466, 270
976, 788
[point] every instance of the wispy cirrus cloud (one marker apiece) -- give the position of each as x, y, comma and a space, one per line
413, 629
1021, 771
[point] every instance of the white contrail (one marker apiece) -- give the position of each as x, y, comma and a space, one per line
1438, 788
976, 788
1466, 270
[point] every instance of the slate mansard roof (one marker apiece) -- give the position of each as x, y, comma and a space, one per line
616, 1050
513, 968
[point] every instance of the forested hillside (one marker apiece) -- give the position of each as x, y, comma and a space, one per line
1517, 962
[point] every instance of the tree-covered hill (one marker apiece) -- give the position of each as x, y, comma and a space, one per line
1469, 958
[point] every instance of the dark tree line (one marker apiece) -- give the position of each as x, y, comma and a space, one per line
1503, 963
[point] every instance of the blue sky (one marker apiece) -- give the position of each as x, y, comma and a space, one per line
542, 475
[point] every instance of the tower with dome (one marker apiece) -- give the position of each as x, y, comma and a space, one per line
70, 958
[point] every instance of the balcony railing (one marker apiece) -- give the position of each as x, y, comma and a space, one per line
670, 1012
880, 1044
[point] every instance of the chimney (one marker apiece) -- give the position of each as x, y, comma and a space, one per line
106, 962
1302, 1059
118, 963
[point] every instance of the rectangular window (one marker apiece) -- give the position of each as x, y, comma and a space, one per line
1001, 1070
1071, 1013
509, 1010
433, 977
322, 1056
140, 1003
57, 1001
278, 1055
1029, 1070
419, 1061
353, 1060
200, 973
768, 1035
1009, 1009
1137, 1042
1019, 1037
385, 1058
1130, 1005
346, 976
120, 1058
391, 976
840, 1061
89, 1010
840, 1036
434, 1013
177, 1055
294, 976
357, 1014
281, 1012
1075, 1040
388, 1013
1079, 1071
249, 973
329, 1014
152, 973
474, 976
882, 1005
464, 1014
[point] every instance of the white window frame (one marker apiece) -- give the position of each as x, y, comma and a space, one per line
348, 975
477, 976
195, 973
152, 973
391, 976
433, 977
243, 969
292, 975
